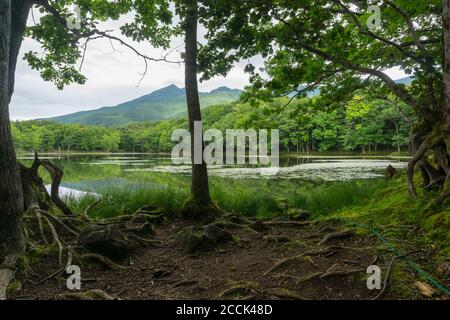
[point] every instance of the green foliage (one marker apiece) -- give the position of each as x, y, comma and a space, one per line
362, 124
327, 44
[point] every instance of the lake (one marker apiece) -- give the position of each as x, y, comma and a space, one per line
97, 173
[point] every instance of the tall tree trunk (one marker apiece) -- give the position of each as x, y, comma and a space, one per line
445, 157
13, 17
199, 187
446, 65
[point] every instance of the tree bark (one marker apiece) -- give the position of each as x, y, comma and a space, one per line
199, 186
444, 157
446, 50
11, 200
13, 17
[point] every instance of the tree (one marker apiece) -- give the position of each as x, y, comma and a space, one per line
328, 43
153, 23
64, 47
199, 187
13, 15
110, 141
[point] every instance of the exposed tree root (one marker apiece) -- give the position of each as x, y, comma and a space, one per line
65, 230
145, 241
290, 223
51, 276
445, 192
285, 261
284, 294
95, 294
329, 274
339, 273
388, 272
55, 239
41, 227
240, 289
60, 223
309, 277
337, 235
89, 207
324, 251
56, 175
103, 260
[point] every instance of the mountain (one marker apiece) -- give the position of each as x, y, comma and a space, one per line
165, 103
406, 80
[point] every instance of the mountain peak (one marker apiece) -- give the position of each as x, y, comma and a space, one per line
165, 103
167, 90
222, 89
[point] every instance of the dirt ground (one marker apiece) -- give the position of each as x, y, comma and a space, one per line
255, 265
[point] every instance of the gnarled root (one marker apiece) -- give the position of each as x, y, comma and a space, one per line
426, 145
445, 192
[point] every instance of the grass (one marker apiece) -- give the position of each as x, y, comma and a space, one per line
397, 216
257, 198
119, 201
385, 205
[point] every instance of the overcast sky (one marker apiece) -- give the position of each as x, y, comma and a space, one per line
112, 79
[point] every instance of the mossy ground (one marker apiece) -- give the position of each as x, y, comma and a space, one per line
405, 223
392, 211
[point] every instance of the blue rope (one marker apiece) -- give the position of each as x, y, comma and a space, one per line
409, 260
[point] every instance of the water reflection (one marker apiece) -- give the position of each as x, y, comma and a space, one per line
94, 173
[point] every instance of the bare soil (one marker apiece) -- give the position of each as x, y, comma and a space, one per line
247, 268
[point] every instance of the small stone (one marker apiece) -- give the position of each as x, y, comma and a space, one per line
204, 238
424, 289
443, 269
216, 234
192, 239
259, 226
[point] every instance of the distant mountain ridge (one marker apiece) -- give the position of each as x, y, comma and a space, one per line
163, 104
166, 103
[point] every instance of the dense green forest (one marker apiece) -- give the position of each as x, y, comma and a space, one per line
361, 124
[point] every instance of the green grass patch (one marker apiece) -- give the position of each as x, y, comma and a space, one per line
397, 215
255, 198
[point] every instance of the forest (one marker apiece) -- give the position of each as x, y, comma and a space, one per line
361, 125
353, 202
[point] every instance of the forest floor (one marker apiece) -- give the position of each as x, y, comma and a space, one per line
288, 260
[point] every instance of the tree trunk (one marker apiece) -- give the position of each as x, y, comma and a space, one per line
397, 132
199, 186
444, 158
13, 17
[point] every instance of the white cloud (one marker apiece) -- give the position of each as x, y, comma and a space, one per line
112, 78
